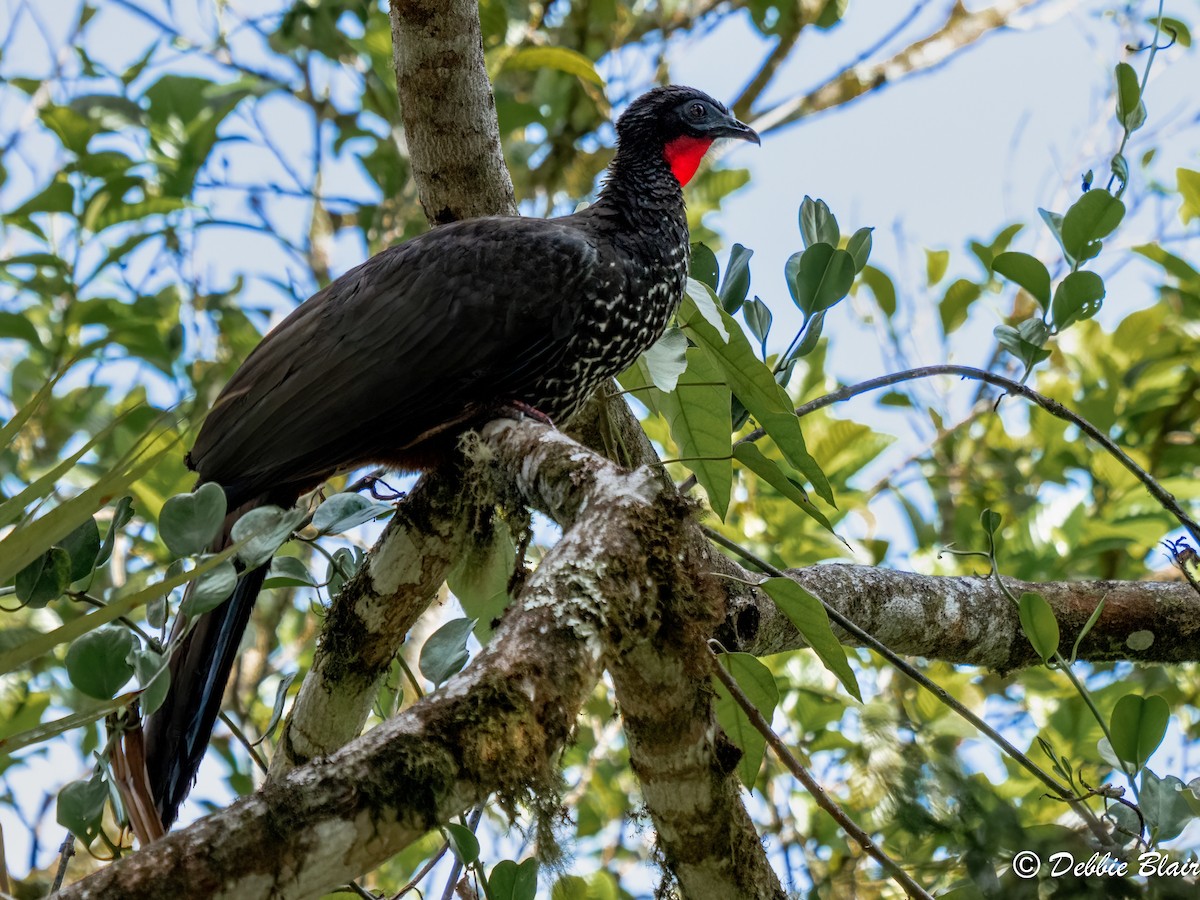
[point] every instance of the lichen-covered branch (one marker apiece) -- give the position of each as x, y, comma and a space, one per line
496, 728
370, 617
968, 620
660, 666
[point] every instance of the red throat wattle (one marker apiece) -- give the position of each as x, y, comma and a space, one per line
683, 155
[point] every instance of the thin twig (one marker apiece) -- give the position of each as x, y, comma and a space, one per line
472, 823
422, 872
65, 851
244, 741
819, 795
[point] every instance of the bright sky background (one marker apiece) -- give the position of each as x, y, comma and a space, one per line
1008, 126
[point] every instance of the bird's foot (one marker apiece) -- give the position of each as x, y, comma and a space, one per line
371, 484
517, 409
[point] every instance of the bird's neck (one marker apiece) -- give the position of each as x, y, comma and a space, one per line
642, 193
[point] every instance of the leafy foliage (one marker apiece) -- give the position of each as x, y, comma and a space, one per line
109, 322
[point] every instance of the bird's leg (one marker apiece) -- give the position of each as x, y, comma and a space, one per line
391, 492
370, 483
517, 409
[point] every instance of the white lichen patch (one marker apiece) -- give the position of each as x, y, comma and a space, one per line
1140, 640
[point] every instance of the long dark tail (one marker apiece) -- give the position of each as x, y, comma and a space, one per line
177, 733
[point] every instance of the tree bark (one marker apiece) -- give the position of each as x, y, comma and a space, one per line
968, 620
449, 111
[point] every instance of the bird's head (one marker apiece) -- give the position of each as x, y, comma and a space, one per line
681, 123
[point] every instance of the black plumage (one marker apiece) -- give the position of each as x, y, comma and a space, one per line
392, 361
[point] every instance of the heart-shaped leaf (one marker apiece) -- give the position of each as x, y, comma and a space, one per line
210, 590
98, 662
189, 522
262, 530
341, 512
445, 651
1138, 725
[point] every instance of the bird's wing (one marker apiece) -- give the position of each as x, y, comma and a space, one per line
398, 346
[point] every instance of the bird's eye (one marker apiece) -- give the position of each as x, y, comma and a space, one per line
696, 110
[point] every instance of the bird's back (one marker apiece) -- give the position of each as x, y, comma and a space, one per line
431, 335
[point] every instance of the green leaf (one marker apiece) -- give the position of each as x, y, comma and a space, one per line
758, 684
122, 513
986, 253
817, 224
808, 338
81, 807
859, 248
83, 546
1164, 803
72, 128
19, 327
480, 577
882, 288
153, 677
769, 471
936, 263
1087, 627
463, 842
990, 520
704, 300
287, 571
1078, 296
1189, 188
1093, 216
758, 318
1027, 272
703, 265
754, 385
1176, 29
819, 277
44, 579
509, 881
31, 648
563, 59
808, 614
262, 530
1054, 222
1138, 725
445, 651
341, 512
210, 590
1016, 343
188, 523
666, 359
737, 279
281, 690
697, 413
957, 302
1131, 112
57, 197
98, 662
1039, 624
346, 561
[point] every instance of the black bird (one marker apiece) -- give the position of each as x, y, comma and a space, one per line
395, 359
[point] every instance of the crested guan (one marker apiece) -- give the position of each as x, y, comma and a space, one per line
395, 359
